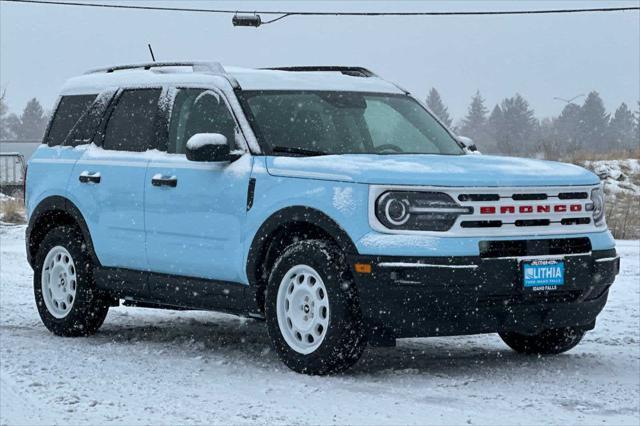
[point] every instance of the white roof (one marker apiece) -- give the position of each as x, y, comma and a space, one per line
95, 82
249, 79
253, 79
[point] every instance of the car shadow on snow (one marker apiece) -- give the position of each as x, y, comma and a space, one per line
246, 342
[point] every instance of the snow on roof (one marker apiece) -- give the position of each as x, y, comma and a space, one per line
254, 79
249, 79
95, 82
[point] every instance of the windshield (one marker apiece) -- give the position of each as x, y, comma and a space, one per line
316, 123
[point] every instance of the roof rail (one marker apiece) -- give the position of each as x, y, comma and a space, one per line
207, 67
352, 71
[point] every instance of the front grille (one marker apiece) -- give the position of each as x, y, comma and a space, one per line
573, 195
481, 224
506, 211
521, 248
533, 222
479, 197
529, 197
576, 221
519, 223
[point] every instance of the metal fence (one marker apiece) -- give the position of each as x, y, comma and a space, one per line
12, 172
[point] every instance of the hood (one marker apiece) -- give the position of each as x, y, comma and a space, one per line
436, 170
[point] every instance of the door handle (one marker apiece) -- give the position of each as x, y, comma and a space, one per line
89, 177
160, 180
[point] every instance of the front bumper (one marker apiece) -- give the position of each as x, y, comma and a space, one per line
439, 296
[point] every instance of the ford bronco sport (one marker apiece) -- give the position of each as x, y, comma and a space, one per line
325, 200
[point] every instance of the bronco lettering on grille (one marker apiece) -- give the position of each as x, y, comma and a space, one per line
525, 209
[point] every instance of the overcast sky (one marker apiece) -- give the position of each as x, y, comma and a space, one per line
539, 56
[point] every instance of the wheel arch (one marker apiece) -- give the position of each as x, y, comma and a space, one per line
50, 213
283, 227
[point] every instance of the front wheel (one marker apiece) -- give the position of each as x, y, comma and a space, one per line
312, 310
549, 342
67, 300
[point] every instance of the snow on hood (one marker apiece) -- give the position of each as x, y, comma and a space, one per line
436, 170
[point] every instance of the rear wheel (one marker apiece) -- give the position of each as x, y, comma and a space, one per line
312, 309
549, 342
67, 300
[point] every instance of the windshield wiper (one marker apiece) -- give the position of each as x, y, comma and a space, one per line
298, 151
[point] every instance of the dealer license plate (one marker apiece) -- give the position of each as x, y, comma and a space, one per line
543, 275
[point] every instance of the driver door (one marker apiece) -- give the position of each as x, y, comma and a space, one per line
195, 211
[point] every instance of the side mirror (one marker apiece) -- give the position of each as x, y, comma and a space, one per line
468, 144
208, 147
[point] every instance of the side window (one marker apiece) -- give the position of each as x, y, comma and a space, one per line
85, 129
131, 126
198, 111
69, 111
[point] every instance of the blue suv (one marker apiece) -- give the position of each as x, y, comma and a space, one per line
324, 200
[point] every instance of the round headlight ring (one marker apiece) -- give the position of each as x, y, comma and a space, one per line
396, 210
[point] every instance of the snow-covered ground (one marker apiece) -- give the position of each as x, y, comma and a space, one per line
165, 367
618, 176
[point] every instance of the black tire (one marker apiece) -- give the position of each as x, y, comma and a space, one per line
90, 306
344, 340
549, 342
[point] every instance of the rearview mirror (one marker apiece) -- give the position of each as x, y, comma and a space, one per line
468, 144
208, 147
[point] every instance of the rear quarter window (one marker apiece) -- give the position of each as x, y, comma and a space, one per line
132, 125
69, 111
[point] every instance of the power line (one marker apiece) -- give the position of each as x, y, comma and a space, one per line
294, 13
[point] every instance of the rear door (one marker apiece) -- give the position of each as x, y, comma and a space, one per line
194, 222
50, 165
108, 180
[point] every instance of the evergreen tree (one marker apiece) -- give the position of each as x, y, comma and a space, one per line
621, 128
31, 124
593, 124
14, 126
474, 124
566, 128
494, 125
549, 145
5, 133
3, 106
435, 104
475, 121
518, 126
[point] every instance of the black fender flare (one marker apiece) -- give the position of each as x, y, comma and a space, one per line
49, 206
299, 214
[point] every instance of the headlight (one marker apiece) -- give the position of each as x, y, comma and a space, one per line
597, 200
418, 211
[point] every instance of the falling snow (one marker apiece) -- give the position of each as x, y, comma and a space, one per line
169, 367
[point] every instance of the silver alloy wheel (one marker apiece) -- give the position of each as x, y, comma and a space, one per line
302, 308
59, 282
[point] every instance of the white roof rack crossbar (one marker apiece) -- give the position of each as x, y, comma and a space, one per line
206, 67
